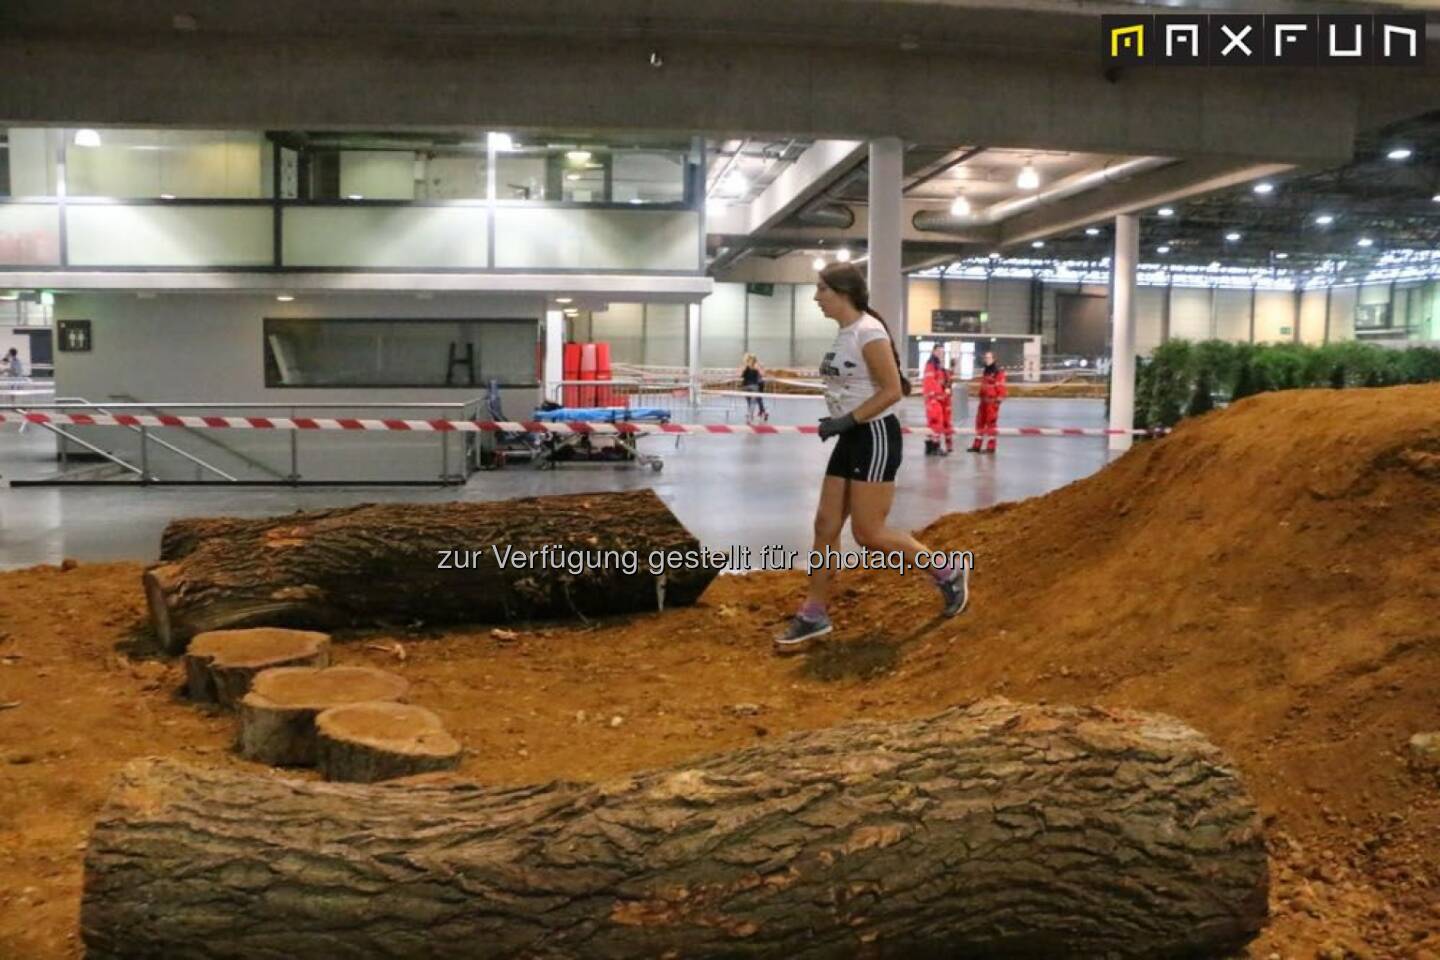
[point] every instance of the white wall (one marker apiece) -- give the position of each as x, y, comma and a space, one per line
199, 348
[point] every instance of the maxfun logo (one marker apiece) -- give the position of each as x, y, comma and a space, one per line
1218, 40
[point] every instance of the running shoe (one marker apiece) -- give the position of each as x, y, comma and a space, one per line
956, 591
801, 633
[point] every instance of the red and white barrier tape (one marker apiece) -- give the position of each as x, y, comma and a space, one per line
492, 426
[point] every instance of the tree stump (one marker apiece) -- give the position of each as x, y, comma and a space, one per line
366, 742
994, 830
392, 563
220, 665
277, 716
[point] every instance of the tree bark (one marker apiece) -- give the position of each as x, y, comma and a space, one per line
370, 742
390, 563
993, 830
221, 665
277, 716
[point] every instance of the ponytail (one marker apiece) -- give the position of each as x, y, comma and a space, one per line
906, 387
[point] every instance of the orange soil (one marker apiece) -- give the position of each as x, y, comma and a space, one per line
1267, 574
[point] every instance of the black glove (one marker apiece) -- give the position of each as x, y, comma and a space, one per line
834, 426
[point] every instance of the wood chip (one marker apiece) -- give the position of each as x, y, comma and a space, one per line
505, 636
10, 704
396, 649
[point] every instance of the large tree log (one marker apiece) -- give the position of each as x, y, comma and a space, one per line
991, 831
382, 564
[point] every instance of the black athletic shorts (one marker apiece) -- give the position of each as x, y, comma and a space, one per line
870, 452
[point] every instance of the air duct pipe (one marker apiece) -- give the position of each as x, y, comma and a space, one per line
943, 220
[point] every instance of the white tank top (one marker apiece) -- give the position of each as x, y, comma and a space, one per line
844, 372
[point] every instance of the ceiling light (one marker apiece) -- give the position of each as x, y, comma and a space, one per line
355, 196
284, 298
994, 254
1364, 242
636, 200
501, 142
87, 138
1162, 249
1435, 199
818, 263
578, 156
1399, 153
1166, 211
960, 207
1038, 244
564, 299
572, 312
1029, 179
167, 196
843, 255
1092, 231
1282, 256
1232, 236
1214, 265
572, 176
1264, 188
1324, 219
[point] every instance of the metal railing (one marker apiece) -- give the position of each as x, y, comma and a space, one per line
459, 458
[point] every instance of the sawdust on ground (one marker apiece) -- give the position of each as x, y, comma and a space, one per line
1267, 574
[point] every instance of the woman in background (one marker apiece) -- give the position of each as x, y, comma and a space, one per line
752, 380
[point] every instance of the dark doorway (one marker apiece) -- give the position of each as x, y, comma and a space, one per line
1082, 327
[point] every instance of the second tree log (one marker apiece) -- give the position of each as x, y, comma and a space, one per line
381, 564
995, 830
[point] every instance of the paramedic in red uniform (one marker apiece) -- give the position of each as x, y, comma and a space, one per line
992, 392
937, 406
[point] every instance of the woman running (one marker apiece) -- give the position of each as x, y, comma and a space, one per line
752, 380
863, 388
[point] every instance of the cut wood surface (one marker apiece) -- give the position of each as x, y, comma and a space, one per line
993, 830
221, 664
368, 742
277, 716
398, 563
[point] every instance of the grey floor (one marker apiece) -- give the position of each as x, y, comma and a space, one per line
729, 490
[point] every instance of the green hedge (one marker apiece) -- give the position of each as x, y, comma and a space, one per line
1182, 378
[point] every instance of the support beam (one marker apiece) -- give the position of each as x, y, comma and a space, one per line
692, 342
554, 354
887, 288
1122, 337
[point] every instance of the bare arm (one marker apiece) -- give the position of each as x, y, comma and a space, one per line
880, 360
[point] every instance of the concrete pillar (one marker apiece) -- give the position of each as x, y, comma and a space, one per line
554, 354
887, 289
692, 341
1122, 336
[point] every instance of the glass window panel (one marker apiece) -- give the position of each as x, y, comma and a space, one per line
187, 164
399, 353
649, 177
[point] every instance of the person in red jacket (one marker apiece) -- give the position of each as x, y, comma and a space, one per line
937, 406
992, 392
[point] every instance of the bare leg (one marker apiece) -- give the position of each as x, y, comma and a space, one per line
830, 518
869, 507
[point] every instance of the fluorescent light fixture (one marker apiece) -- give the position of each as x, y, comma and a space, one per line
843, 254
1214, 265
1399, 153
284, 297
167, 196
1364, 242
87, 138
818, 263
1232, 236
501, 142
1038, 244
1435, 199
1029, 178
355, 196
1166, 211
1263, 188
578, 156
1092, 231
1162, 249
1282, 256
564, 299
636, 200
960, 207
572, 176
994, 254
572, 312
1325, 219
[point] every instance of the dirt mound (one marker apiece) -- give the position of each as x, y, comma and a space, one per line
1267, 574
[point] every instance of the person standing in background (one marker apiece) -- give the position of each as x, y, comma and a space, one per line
11, 365
937, 405
992, 393
752, 380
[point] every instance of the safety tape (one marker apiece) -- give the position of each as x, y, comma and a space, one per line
507, 426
